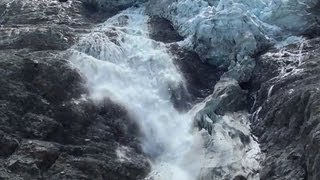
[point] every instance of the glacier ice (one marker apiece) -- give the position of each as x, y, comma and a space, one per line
227, 32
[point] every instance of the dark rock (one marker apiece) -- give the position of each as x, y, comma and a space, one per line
200, 77
35, 105
43, 13
162, 30
111, 6
286, 111
39, 126
32, 158
240, 178
49, 129
96, 162
8, 145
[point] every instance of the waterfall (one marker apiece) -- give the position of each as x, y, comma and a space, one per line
119, 61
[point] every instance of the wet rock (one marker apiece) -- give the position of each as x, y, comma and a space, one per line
163, 31
49, 129
35, 105
112, 6
200, 76
285, 111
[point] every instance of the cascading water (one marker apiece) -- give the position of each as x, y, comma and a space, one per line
121, 62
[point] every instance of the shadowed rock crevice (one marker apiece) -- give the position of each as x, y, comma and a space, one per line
200, 77
162, 30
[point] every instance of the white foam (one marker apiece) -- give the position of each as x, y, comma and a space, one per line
121, 62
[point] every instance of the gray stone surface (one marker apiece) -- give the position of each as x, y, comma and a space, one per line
230, 33
48, 129
285, 113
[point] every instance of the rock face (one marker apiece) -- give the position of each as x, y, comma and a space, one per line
200, 77
286, 111
48, 128
163, 31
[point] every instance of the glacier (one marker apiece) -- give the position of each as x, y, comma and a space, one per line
228, 33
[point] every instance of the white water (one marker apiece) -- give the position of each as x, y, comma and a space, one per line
120, 61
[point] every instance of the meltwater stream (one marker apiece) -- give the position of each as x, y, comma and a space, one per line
119, 61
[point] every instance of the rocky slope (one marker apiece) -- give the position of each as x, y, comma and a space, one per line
286, 111
47, 130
